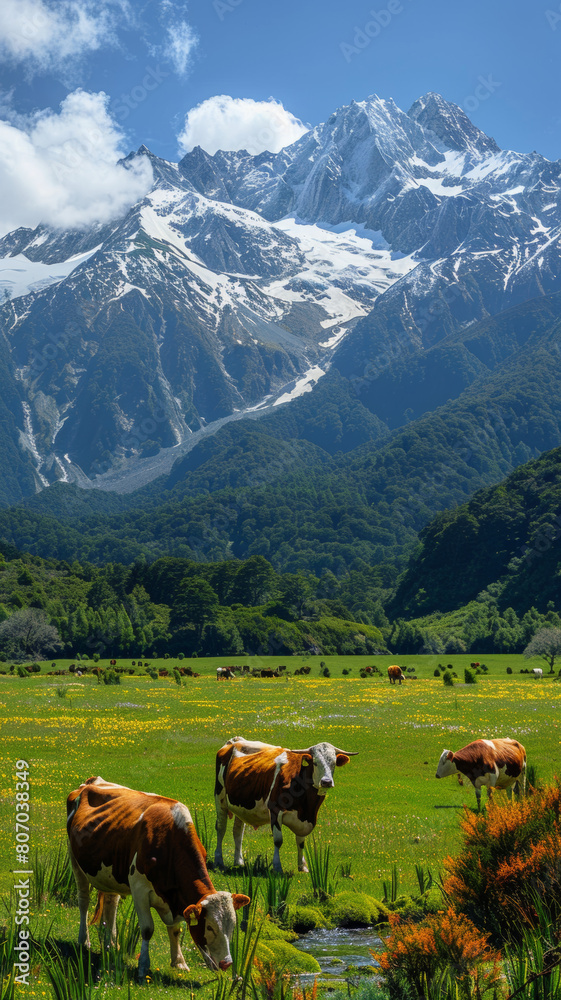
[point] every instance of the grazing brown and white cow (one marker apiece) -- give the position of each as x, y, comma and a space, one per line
490, 763
259, 784
224, 674
123, 843
395, 674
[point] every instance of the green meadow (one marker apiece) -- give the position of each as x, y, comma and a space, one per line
386, 807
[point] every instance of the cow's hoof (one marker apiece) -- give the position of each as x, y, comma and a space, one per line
303, 868
180, 965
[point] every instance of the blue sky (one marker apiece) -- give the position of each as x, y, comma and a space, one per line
136, 70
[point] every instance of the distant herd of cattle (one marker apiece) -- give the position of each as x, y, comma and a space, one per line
228, 673
125, 842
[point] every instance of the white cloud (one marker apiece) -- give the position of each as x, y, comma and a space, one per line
47, 36
224, 122
62, 169
179, 45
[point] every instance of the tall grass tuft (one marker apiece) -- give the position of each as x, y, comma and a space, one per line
205, 830
391, 888
532, 780
222, 987
247, 884
319, 864
53, 877
242, 947
532, 962
7, 942
424, 878
81, 975
70, 977
127, 930
345, 869
275, 891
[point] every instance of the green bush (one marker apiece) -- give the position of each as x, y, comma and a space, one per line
409, 908
95, 657
111, 677
305, 918
284, 956
448, 679
432, 900
469, 676
22, 672
436, 672
509, 670
356, 909
35, 668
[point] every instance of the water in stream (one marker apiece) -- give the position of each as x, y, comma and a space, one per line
340, 951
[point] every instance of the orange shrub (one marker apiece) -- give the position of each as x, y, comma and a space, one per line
442, 944
511, 855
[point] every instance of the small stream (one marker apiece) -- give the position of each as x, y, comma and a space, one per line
340, 952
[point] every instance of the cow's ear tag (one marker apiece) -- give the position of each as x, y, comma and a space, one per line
192, 913
305, 763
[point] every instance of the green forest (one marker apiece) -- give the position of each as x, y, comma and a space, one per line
484, 577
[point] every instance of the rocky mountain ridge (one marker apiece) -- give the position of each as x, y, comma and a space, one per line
240, 280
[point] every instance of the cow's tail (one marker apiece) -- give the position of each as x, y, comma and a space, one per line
98, 909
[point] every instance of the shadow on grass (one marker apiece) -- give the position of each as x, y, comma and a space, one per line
77, 965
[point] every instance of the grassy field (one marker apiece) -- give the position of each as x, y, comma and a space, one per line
386, 806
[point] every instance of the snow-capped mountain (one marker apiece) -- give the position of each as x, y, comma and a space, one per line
240, 279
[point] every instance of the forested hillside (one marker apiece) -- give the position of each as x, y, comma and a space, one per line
324, 482
487, 573
485, 578
507, 537
176, 606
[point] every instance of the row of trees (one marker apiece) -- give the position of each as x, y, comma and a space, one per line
175, 605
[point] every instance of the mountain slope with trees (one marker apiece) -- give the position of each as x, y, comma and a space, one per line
324, 483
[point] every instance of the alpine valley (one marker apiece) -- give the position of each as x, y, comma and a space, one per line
302, 355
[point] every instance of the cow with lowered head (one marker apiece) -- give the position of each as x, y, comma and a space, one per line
487, 763
395, 673
262, 784
124, 842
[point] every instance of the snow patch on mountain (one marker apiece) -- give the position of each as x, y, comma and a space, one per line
20, 276
301, 385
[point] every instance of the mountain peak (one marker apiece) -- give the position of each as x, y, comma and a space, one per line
451, 125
